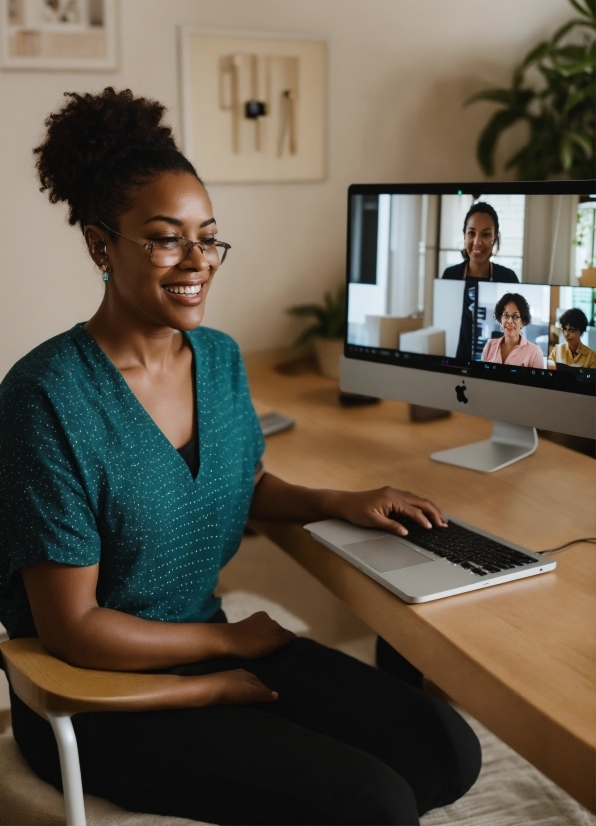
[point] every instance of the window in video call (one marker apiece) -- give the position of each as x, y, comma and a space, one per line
502, 284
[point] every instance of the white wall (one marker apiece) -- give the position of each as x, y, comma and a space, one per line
398, 73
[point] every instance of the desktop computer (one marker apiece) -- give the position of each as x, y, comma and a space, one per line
427, 297
478, 298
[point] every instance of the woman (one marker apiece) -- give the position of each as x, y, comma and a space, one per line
481, 241
572, 351
131, 456
513, 313
482, 238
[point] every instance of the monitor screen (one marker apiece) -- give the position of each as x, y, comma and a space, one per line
488, 281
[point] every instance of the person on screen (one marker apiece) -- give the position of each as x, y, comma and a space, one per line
513, 312
572, 351
481, 241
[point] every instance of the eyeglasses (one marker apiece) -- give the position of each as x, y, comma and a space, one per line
172, 249
569, 329
514, 317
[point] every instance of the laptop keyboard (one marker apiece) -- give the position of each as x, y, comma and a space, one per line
461, 546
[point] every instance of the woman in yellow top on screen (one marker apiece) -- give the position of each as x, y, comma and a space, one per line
513, 312
572, 351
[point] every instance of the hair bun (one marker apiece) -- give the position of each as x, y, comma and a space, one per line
98, 146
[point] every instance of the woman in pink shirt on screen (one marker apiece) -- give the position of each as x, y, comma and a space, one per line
513, 312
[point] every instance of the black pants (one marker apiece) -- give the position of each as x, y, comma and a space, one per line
343, 744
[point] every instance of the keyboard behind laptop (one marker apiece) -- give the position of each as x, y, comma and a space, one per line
461, 546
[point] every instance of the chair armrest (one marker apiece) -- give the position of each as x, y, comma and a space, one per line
47, 684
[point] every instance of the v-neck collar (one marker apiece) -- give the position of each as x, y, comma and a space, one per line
103, 356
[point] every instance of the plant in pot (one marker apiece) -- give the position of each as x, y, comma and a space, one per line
327, 332
558, 108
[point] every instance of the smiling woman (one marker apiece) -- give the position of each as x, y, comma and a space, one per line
512, 311
130, 458
481, 241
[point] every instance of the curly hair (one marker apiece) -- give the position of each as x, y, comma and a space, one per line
520, 302
99, 149
485, 209
574, 318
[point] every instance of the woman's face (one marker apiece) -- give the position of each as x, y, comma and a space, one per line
572, 336
479, 237
511, 321
173, 205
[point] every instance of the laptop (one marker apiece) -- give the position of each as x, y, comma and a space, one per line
430, 564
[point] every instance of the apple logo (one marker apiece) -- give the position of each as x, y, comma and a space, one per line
461, 392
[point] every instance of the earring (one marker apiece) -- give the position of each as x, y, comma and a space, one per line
106, 275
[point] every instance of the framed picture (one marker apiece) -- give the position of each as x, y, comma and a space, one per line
253, 107
78, 35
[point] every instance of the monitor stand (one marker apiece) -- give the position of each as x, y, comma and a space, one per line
508, 444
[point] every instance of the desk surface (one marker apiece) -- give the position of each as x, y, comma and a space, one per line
520, 656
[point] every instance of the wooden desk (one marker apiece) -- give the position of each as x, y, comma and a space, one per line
520, 657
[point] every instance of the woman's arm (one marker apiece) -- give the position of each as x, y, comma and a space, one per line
73, 627
275, 499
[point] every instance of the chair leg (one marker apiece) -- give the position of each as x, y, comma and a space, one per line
70, 768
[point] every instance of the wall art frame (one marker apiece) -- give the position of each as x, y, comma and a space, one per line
63, 35
253, 105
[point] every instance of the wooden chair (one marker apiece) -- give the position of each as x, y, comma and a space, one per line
56, 691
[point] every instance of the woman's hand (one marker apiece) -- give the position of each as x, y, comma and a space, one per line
382, 508
237, 687
256, 636
275, 499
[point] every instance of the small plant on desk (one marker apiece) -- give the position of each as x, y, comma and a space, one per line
328, 331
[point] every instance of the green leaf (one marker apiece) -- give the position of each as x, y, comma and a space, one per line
304, 310
489, 136
572, 24
331, 316
566, 152
537, 53
570, 53
306, 335
585, 7
576, 68
574, 99
506, 96
584, 143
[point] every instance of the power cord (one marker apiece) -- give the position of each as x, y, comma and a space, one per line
590, 539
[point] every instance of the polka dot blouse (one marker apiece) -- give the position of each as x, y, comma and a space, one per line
87, 477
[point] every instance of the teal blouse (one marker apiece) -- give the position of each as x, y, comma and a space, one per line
87, 477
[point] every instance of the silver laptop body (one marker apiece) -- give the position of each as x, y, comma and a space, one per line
413, 573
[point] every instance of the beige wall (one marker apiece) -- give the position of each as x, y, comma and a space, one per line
398, 73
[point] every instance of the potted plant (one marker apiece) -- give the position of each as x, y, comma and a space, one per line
559, 111
328, 331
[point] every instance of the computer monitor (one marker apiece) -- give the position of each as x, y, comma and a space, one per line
422, 329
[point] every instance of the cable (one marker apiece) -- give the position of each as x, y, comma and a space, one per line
590, 539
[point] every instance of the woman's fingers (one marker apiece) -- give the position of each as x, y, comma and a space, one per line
383, 508
423, 511
236, 687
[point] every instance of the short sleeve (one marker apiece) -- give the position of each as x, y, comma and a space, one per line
44, 510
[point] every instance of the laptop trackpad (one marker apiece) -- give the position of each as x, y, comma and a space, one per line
386, 554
